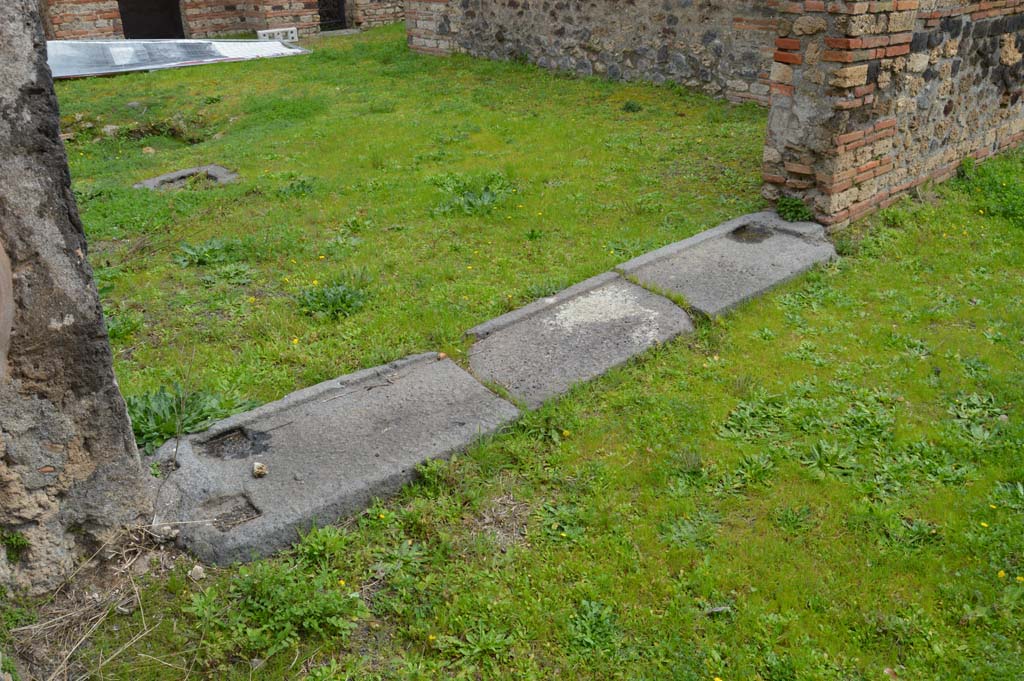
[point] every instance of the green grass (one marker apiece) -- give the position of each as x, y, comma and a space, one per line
455, 189
825, 485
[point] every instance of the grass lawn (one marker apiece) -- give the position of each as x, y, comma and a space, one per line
389, 202
827, 484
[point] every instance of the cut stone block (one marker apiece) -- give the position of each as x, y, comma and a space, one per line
328, 451
180, 178
718, 269
545, 348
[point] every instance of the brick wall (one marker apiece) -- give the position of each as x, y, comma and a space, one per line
206, 18
724, 48
303, 14
871, 99
370, 13
72, 19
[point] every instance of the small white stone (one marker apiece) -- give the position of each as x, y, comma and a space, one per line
197, 573
259, 470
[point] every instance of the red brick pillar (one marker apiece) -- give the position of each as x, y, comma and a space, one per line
829, 141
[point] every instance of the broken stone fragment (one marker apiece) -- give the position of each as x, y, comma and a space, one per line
197, 573
180, 178
259, 470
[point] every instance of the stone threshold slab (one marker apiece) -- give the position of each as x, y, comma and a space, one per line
329, 451
727, 265
545, 348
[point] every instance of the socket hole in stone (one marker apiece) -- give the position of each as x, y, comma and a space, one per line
230, 512
751, 233
238, 443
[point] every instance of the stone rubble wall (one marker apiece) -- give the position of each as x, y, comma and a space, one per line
870, 100
724, 48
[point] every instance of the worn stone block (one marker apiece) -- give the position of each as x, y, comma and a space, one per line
328, 451
718, 269
545, 348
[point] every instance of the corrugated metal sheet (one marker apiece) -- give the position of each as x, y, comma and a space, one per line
79, 58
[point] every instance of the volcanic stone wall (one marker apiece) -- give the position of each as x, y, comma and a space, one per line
724, 48
871, 99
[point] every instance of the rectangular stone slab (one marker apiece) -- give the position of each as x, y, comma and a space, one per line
329, 450
718, 269
545, 348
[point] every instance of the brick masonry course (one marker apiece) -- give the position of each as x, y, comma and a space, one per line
888, 96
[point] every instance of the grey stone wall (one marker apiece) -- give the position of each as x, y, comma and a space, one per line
722, 48
69, 472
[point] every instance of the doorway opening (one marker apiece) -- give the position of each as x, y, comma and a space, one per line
151, 19
332, 15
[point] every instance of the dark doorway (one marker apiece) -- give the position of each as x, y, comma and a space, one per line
151, 18
332, 15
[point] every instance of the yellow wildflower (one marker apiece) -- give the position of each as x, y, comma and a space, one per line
1001, 574
984, 524
295, 341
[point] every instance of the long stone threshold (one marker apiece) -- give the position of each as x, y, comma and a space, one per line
248, 486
